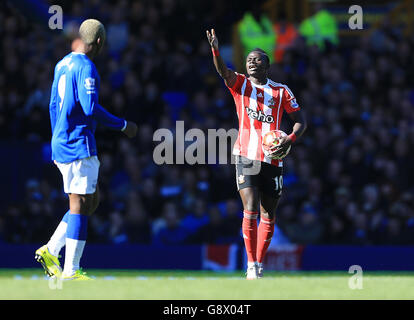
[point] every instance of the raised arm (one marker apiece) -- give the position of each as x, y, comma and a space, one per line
227, 74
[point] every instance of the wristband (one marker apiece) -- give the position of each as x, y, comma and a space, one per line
125, 125
216, 53
292, 137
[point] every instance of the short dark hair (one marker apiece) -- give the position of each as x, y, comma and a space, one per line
263, 53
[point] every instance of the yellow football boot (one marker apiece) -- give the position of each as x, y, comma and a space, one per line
79, 275
48, 261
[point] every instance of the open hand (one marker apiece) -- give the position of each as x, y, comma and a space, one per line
282, 147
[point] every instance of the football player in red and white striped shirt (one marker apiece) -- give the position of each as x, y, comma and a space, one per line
260, 104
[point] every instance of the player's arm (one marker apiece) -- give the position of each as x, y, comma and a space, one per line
227, 74
109, 120
297, 115
299, 127
88, 98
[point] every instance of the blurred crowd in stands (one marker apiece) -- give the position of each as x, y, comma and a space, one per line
348, 180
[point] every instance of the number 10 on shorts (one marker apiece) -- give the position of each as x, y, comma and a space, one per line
279, 183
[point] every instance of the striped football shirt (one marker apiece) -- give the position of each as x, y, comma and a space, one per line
259, 109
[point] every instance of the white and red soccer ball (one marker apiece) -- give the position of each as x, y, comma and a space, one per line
271, 140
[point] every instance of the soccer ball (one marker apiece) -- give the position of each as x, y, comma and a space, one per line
272, 139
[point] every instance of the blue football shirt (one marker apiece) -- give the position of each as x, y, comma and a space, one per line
75, 111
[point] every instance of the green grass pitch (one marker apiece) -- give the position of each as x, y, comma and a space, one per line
204, 285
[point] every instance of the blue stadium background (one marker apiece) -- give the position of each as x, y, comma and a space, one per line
348, 184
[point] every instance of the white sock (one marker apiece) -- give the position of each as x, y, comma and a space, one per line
73, 254
58, 239
251, 264
260, 264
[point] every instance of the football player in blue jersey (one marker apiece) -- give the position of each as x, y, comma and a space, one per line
74, 114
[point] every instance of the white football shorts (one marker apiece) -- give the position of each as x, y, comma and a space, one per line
80, 176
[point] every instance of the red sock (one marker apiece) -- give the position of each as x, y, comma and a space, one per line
249, 228
265, 234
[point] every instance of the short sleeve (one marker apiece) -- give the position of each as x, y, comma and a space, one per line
236, 88
289, 101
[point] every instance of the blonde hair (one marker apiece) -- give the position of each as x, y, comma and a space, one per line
90, 30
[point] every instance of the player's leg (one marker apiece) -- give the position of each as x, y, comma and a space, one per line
250, 200
48, 255
83, 200
80, 208
268, 206
95, 201
271, 183
57, 240
247, 184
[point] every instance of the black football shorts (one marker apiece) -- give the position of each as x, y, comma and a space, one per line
268, 179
